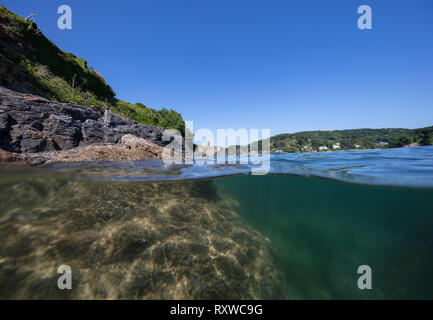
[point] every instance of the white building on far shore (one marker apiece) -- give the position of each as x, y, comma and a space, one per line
382, 143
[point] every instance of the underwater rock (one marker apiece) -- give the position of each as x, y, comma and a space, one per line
166, 240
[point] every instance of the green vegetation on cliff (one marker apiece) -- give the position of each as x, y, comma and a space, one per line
164, 118
29, 62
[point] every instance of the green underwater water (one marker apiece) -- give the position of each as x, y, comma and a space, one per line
324, 230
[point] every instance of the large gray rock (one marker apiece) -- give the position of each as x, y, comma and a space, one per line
31, 124
165, 240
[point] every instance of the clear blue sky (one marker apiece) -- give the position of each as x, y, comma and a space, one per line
287, 65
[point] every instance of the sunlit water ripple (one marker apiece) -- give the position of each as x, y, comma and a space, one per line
405, 167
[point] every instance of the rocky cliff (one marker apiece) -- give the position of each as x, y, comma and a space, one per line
31, 63
34, 130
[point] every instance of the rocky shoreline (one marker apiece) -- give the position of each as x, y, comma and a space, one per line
36, 131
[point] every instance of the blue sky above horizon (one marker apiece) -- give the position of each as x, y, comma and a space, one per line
287, 65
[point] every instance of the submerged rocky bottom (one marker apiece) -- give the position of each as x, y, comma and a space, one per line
165, 240
208, 239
